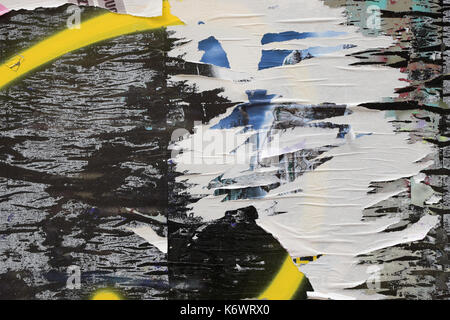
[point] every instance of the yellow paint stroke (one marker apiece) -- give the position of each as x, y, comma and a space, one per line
106, 26
106, 294
286, 282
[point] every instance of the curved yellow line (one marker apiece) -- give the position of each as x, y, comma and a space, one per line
100, 28
286, 282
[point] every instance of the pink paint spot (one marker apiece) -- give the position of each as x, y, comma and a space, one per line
404, 95
3, 9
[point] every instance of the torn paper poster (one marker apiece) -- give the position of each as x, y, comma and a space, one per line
307, 167
305, 56
143, 8
223, 147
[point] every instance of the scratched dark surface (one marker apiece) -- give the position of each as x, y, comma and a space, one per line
86, 136
82, 139
417, 270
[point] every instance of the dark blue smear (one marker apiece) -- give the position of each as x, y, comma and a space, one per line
276, 58
254, 113
272, 58
292, 35
214, 53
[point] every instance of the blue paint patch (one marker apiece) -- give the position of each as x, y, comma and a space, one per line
259, 96
272, 58
293, 35
343, 130
255, 114
214, 53
359, 135
276, 58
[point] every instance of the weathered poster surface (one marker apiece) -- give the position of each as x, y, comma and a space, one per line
234, 149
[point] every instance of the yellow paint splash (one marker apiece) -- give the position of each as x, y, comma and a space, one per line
106, 294
285, 284
106, 26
